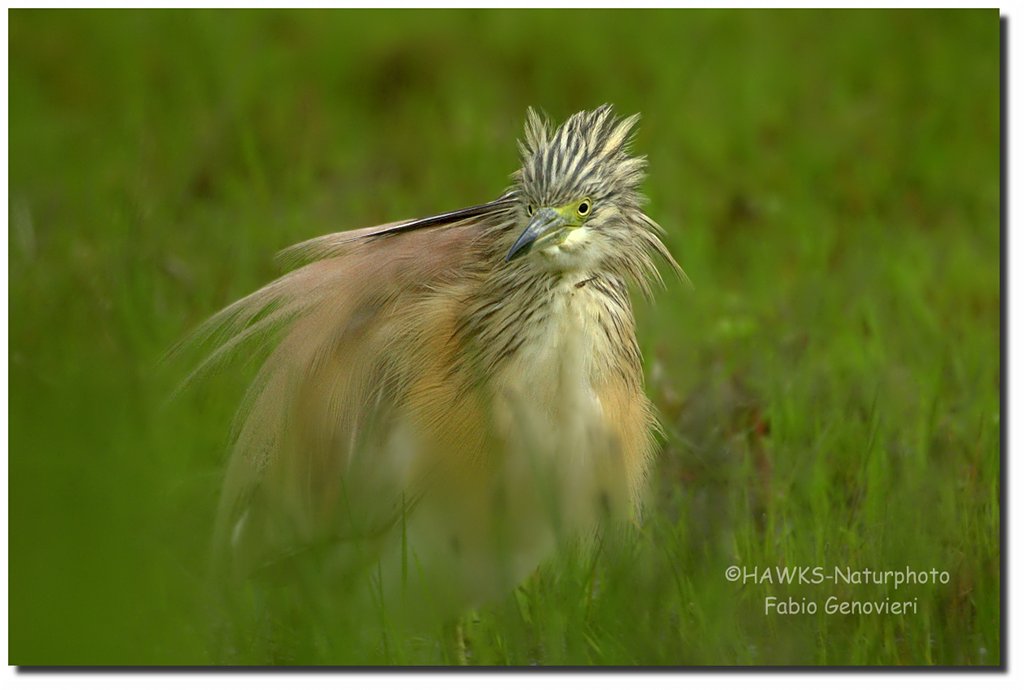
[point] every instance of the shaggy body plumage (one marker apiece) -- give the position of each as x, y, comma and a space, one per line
459, 391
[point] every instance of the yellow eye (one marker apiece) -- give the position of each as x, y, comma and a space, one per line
584, 208
529, 209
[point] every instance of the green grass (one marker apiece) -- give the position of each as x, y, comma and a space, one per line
829, 181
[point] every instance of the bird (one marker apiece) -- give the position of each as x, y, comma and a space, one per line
445, 400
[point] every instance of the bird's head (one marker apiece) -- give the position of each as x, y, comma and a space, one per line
580, 206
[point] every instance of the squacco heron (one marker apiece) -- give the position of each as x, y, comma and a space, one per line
449, 397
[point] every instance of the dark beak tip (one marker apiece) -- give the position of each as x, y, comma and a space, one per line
514, 252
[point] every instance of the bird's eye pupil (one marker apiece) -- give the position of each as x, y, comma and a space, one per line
529, 210
584, 207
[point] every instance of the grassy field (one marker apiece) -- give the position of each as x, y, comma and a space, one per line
830, 388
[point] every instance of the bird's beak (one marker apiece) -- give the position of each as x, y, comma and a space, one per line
546, 223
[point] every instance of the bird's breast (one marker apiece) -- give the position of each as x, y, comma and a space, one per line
549, 389
550, 452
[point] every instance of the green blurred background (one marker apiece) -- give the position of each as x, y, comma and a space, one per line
830, 388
